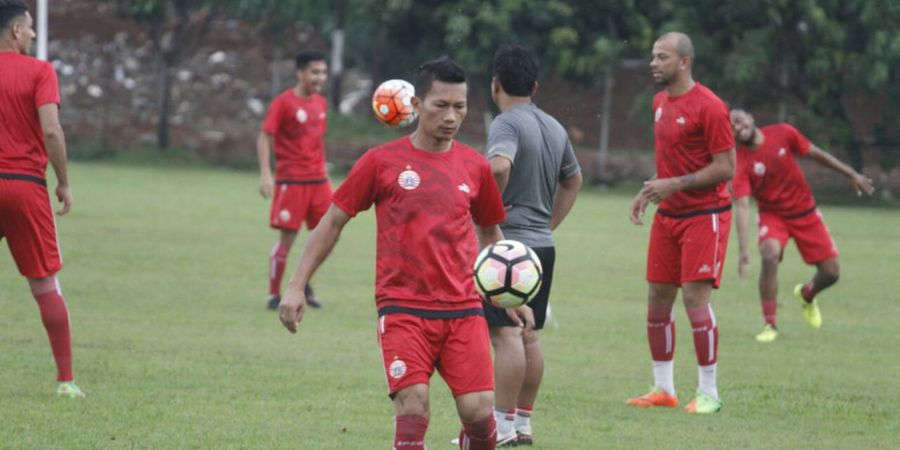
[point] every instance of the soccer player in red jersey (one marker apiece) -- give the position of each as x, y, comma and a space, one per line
767, 169
694, 160
295, 127
31, 135
435, 201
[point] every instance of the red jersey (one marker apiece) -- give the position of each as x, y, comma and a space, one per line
688, 130
771, 174
425, 207
26, 84
298, 125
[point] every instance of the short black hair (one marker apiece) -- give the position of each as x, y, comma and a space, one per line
442, 69
11, 10
307, 56
516, 68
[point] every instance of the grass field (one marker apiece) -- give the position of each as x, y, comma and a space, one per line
165, 280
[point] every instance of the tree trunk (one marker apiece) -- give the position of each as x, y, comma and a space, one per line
337, 55
605, 113
164, 96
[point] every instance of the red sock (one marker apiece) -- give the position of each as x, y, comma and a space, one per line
479, 435
409, 432
55, 316
769, 308
706, 334
525, 410
661, 332
277, 262
809, 291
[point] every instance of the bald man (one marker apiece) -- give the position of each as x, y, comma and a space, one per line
695, 158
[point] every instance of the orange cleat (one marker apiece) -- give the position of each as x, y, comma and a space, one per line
656, 397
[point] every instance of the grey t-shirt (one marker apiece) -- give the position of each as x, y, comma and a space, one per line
541, 156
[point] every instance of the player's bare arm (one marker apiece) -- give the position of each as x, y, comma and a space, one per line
860, 182
319, 245
721, 169
55, 140
501, 167
742, 217
264, 144
564, 199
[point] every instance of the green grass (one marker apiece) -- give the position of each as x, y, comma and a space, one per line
165, 280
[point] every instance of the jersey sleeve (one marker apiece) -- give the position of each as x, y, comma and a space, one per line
800, 145
717, 127
569, 167
740, 184
487, 207
273, 116
503, 140
47, 87
357, 192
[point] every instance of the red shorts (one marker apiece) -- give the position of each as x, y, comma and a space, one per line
412, 347
809, 233
27, 222
688, 249
295, 203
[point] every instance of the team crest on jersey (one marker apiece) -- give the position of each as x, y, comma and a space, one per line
397, 369
409, 179
658, 114
782, 151
302, 115
680, 120
759, 168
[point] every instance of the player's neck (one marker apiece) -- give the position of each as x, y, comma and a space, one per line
429, 143
758, 139
507, 102
8, 46
681, 86
300, 92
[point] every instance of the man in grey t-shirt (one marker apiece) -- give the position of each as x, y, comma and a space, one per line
536, 170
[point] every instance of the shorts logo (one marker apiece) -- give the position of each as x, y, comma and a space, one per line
284, 215
409, 179
302, 116
704, 269
397, 369
464, 187
759, 168
658, 114
680, 120
763, 230
782, 151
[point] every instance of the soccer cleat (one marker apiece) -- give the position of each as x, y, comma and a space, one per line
69, 389
656, 397
273, 302
811, 312
311, 298
703, 404
768, 334
523, 437
507, 440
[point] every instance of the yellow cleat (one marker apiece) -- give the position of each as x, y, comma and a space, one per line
768, 334
69, 389
811, 312
704, 404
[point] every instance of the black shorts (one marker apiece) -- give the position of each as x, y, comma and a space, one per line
496, 317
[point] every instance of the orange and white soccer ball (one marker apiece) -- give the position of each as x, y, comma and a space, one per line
392, 103
508, 273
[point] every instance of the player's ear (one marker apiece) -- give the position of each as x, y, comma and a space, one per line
416, 102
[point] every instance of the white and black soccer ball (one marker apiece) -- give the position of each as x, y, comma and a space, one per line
508, 273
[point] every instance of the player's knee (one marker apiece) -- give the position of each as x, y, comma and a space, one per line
830, 271
770, 256
412, 400
475, 405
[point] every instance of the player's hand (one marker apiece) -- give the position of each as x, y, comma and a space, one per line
659, 189
743, 264
291, 309
64, 195
266, 186
522, 316
862, 184
636, 211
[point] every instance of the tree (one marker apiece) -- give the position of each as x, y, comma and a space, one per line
175, 28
